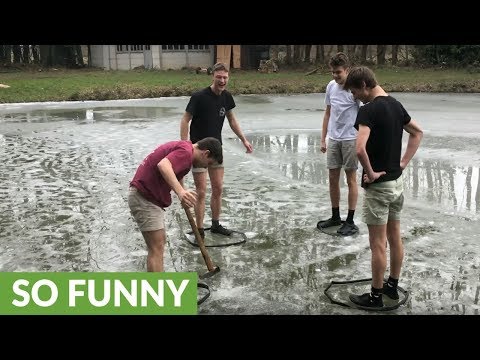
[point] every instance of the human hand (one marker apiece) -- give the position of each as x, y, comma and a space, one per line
188, 198
323, 146
248, 146
374, 176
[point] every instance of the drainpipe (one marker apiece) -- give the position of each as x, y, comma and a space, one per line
160, 52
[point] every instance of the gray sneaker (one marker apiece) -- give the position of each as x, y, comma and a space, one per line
220, 230
390, 291
329, 223
347, 229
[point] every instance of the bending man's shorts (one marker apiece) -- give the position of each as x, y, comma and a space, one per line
148, 216
383, 202
200, 170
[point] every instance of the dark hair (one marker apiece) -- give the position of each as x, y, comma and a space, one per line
339, 59
213, 145
219, 67
359, 75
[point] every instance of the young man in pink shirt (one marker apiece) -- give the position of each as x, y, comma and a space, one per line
159, 173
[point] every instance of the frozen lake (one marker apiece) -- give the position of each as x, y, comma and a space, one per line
65, 169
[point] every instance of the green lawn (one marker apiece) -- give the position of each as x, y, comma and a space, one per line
94, 84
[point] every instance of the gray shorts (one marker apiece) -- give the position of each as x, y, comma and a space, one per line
342, 153
383, 202
148, 216
200, 170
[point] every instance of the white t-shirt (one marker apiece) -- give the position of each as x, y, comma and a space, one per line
343, 112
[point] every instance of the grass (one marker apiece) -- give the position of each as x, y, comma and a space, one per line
93, 84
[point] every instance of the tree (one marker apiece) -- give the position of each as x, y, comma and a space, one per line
363, 54
394, 54
381, 50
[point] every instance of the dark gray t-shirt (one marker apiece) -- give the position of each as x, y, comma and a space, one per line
208, 110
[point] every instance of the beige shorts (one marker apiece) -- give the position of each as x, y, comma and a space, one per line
148, 216
342, 153
383, 202
200, 170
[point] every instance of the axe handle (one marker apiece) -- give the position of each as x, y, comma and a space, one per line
200, 242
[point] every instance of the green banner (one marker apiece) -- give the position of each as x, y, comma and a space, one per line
106, 293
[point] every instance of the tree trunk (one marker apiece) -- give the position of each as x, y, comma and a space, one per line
320, 56
288, 56
351, 51
394, 54
46, 55
381, 50
363, 54
3, 56
308, 49
90, 55
36, 58
17, 54
296, 54
26, 54
79, 54
274, 51
8, 54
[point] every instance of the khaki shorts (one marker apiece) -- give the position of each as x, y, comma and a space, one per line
148, 216
383, 202
200, 170
342, 153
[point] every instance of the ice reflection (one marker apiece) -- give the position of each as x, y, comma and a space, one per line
439, 181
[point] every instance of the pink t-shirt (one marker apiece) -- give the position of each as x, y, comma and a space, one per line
148, 179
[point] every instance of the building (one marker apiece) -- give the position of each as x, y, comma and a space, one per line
164, 57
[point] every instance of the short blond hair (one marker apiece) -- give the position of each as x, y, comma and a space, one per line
220, 67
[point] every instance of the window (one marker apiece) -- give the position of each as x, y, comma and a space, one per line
199, 47
184, 47
132, 48
173, 47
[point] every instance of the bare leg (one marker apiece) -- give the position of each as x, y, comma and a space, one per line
352, 188
377, 237
396, 248
334, 185
200, 180
216, 180
155, 241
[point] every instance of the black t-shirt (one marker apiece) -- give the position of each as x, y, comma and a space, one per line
208, 110
385, 116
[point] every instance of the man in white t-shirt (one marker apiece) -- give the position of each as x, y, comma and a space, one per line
338, 121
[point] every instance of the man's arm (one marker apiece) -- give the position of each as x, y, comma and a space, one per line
326, 118
234, 125
184, 125
414, 139
187, 198
362, 138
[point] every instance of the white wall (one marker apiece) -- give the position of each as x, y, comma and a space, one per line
106, 56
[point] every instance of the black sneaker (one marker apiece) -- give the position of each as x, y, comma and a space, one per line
328, 223
219, 229
348, 229
366, 300
390, 291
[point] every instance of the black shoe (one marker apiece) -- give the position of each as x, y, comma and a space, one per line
390, 291
328, 223
219, 229
367, 301
348, 229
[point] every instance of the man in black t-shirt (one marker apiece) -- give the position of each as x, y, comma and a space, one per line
380, 124
206, 113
